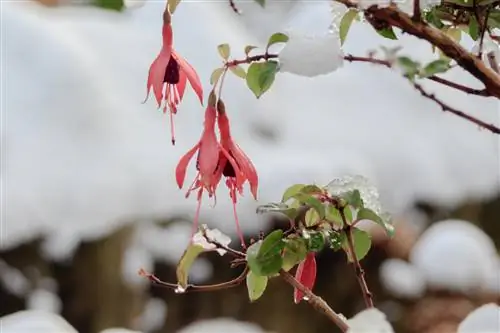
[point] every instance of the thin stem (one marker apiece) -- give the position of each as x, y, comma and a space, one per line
316, 302
360, 272
266, 56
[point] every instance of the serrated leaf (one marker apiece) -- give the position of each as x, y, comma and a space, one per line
224, 51
362, 244
238, 71
256, 285
264, 257
276, 38
306, 275
249, 49
387, 33
316, 241
260, 76
291, 191
435, 67
473, 28
295, 251
335, 240
185, 263
215, 76
345, 23
172, 5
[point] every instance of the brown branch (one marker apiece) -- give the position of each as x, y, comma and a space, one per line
492, 128
249, 60
395, 17
316, 302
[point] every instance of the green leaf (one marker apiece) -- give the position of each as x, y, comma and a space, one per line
332, 215
473, 28
172, 5
435, 67
311, 189
345, 23
432, 17
335, 239
215, 76
316, 241
224, 51
362, 244
187, 260
311, 218
262, 3
260, 76
256, 285
264, 257
238, 71
291, 191
311, 201
494, 19
278, 37
295, 251
368, 214
348, 214
278, 208
249, 49
110, 4
410, 67
387, 33
454, 33
353, 198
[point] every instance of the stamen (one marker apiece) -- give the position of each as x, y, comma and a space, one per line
172, 127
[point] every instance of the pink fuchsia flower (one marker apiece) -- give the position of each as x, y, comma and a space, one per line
206, 161
234, 165
306, 275
168, 75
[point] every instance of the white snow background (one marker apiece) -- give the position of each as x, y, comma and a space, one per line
81, 155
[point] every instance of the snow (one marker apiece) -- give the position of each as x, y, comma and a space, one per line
402, 279
153, 316
82, 155
485, 319
34, 321
221, 325
44, 300
369, 321
13, 280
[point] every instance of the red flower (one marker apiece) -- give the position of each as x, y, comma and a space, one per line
306, 275
168, 75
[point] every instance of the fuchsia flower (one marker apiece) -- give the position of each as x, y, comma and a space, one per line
305, 274
168, 75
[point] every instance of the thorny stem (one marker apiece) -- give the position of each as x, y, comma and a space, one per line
316, 302
358, 269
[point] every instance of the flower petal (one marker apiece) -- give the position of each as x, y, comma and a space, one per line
181, 85
157, 74
306, 274
168, 36
191, 75
180, 170
209, 147
247, 167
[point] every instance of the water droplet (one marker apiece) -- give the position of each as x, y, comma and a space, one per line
305, 298
180, 289
306, 234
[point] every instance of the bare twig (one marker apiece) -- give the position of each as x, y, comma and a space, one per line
492, 128
316, 302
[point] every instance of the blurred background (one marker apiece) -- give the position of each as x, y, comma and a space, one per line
88, 189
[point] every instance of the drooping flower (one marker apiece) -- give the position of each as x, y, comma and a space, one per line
206, 161
306, 275
168, 75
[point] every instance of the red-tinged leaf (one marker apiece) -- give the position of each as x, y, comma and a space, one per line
306, 274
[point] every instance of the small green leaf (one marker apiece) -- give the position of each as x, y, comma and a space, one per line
311, 189
110, 4
348, 214
332, 215
291, 191
249, 49
260, 76
387, 33
172, 5
278, 37
187, 260
345, 23
279, 208
368, 214
238, 71
362, 244
410, 67
473, 27
335, 239
316, 241
262, 3
224, 51
295, 251
256, 285
353, 198
264, 257
454, 33
435, 67
312, 217
311, 201
215, 76
494, 19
